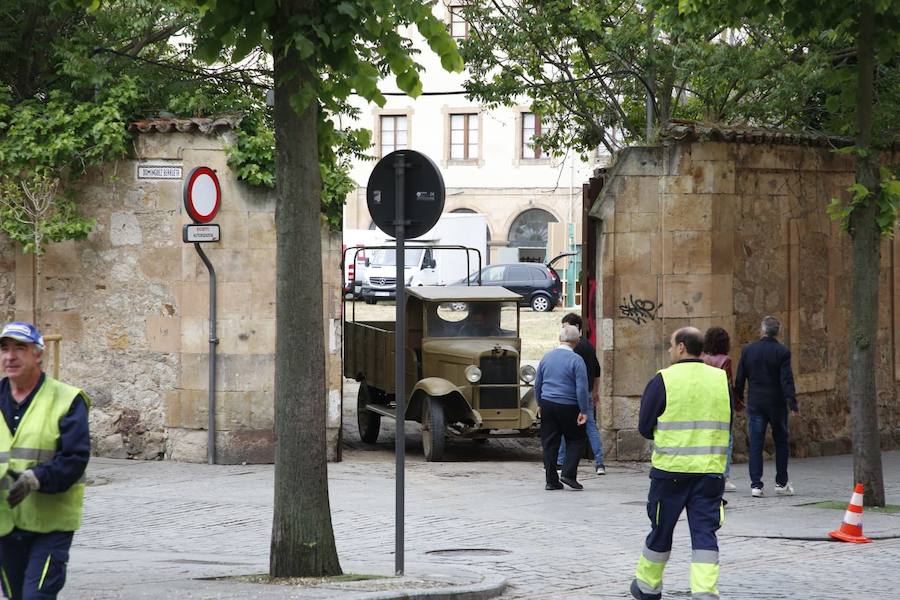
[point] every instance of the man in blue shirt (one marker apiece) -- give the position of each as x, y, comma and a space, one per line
562, 391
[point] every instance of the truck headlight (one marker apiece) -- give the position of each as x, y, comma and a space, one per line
527, 373
473, 374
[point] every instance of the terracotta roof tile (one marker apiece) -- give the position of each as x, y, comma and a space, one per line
691, 130
175, 125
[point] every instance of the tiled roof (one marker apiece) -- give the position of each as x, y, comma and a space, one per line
691, 130
174, 125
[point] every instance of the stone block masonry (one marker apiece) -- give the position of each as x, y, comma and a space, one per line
699, 232
132, 306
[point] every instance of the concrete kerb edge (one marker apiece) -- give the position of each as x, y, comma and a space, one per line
489, 587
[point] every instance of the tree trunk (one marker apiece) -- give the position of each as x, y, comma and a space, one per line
302, 535
866, 236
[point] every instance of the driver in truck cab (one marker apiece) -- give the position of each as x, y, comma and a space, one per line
483, 321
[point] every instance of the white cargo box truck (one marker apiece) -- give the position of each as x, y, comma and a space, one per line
426, 262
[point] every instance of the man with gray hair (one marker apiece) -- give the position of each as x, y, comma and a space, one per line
766, 365
562, 391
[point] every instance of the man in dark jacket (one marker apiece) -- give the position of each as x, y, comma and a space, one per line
766, 364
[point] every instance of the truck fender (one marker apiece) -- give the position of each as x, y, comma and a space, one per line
456, 408
529, 402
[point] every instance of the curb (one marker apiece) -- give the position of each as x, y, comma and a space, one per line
489, 587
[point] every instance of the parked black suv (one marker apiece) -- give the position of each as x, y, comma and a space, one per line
538, 284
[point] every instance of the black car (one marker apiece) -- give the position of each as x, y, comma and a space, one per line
539, 285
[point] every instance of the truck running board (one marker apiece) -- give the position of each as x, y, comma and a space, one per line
382, 409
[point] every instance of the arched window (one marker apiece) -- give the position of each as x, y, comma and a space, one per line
529, 232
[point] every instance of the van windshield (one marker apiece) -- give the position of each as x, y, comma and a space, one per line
412, 257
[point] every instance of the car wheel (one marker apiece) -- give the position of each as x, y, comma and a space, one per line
433, 434
541, 303
368, 422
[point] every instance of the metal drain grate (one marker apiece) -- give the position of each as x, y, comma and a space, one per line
469, 552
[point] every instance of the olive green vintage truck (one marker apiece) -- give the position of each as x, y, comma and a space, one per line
463, 371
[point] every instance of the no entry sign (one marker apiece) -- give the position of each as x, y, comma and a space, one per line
202, 195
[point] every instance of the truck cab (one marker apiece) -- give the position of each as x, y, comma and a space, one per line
464, 376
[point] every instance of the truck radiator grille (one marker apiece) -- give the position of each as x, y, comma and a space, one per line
383, 280
499, 370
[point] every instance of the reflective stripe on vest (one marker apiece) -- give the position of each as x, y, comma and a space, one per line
692, 432
35, 442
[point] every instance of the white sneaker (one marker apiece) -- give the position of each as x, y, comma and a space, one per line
756, 492
784, 490
601, 470
729, 487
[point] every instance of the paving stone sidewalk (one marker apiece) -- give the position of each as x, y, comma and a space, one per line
152, 529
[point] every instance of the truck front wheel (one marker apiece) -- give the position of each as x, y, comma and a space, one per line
433, 430
368, 422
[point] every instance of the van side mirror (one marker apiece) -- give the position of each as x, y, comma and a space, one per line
429, 263
367, 262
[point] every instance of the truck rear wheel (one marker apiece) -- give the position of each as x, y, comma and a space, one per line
433, 430
368, 422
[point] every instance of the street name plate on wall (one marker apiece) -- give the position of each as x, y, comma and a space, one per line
159, 172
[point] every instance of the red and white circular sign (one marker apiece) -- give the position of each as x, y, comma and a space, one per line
202, 194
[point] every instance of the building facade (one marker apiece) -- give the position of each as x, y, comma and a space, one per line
488, 158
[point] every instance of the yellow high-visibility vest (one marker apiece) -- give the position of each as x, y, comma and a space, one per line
692, 432
36, 442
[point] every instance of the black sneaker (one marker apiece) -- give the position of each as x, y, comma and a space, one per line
553, 486
571, 483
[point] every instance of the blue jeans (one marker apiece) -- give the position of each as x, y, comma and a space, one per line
593, 437
728, 454
758, 418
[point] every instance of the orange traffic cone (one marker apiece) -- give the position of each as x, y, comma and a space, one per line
851, 529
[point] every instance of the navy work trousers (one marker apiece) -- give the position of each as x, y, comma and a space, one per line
758, 418
701, 496
33, 565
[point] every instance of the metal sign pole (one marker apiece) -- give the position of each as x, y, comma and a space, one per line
400, 360
213, 340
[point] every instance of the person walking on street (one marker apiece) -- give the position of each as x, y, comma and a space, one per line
588, 354
766, 365
561, 389
44, 449
686, 411
716, 346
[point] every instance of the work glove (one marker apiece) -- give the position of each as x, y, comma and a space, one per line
26, 483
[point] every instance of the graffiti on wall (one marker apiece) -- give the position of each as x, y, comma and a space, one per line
639, 310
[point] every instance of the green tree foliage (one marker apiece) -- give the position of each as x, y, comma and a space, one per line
589, 67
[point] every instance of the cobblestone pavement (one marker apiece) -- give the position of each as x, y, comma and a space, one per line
486, 509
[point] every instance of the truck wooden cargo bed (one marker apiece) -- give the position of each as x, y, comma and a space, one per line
369, 350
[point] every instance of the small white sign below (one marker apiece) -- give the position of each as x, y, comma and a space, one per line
200, 233
159, 172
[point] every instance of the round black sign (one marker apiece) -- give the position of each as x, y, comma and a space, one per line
423, 198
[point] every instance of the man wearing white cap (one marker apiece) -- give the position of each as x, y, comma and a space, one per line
45, 446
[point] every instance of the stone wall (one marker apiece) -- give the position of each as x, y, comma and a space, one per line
719, 233
132, 305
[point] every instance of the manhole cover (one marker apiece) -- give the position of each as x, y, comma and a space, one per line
469, 552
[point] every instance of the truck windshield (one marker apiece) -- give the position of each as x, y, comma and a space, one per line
472, 319
412, 257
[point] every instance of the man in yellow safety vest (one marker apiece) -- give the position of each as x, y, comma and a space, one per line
45, 446
686, 411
